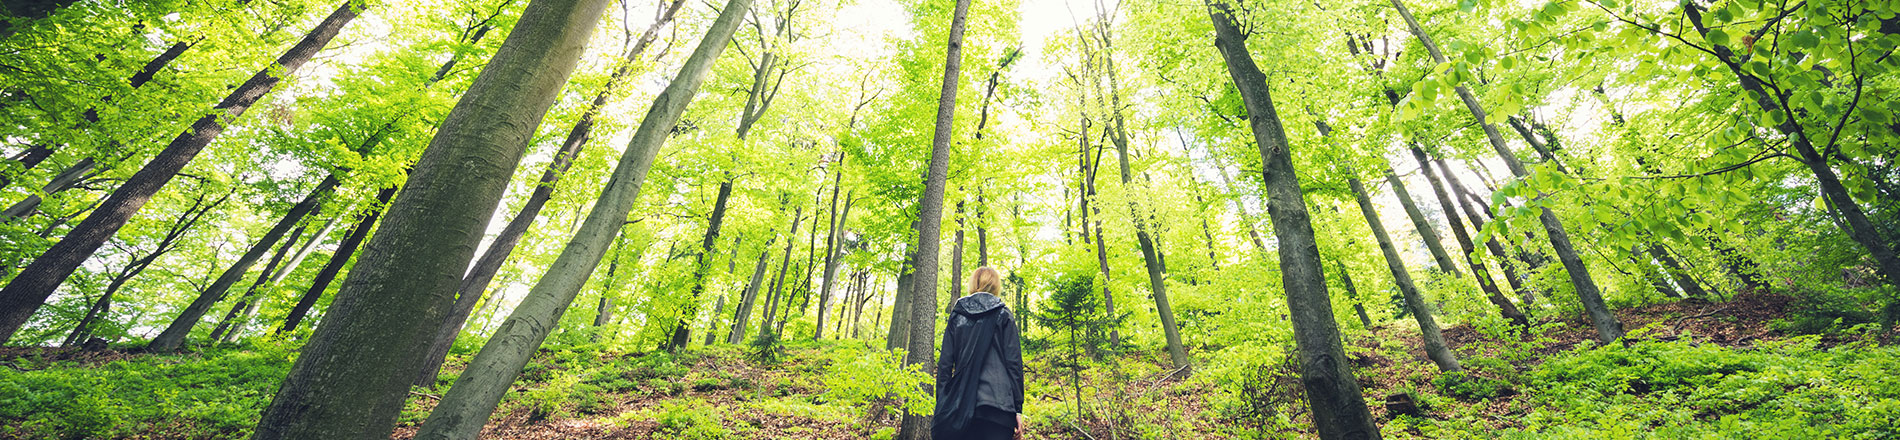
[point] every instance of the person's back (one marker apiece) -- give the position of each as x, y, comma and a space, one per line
980, 369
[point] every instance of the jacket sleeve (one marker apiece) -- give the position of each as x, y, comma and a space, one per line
1013, 355
947, 357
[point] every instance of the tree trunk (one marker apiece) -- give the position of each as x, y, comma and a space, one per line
1423, 225
1352, 292
344, 250
173, 338
1675, 270
466, 407
28, 291
772, 309
176, 232
682, 331
832, 223
354, 374
1339, 410
250, 295
1150, 254
36, 154
1430, 334
66, 179
1607, 327
923, 307
1478, 269
1465, 202
899, 334
743, 311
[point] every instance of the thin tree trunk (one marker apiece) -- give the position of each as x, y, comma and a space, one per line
682, 331
743, 311
923, 315
36, 154
899, 334
956, 257
344, 250
170, 242
1422, 225
1150, 253
1604, 321
466, 407
772, 309
1352, 292
1478, 269
250, 295
1430, 334
1339, 410
28, 291
354, 374
173, 338
1465, 202
832, 224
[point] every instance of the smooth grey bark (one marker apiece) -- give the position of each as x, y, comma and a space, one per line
1422, 225
1675, 271
467, 405
173, 338
1478, 269
923, 303
66, 179
354, 374
1608, 329
475, 283
345, 249
28, 291
1431, 336
1339, 409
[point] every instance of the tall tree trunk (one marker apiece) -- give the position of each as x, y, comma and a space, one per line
173, 338
899, 334
28, 291
344, 250
832, 224
772, 309
702, 263
171, 241
476, 282
66, 179
1339, 410
923, 307
1150, 253
1429, 333
1675, 270
1478, 269
1601, 318
743, 311
956, 257
354, 374
1352, 292
466, 407
250, 295
1465, 202
1422, 225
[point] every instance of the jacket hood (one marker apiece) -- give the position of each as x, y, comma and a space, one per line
978, 303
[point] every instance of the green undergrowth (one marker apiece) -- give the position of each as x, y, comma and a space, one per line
1790, 389
214, 394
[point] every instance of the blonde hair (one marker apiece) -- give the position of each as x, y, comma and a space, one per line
985, 279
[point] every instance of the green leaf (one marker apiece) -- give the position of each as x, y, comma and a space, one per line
1717, 36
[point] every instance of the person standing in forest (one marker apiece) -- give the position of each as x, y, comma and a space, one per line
980, 370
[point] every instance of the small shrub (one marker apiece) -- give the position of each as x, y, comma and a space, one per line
1470, 387
689, 420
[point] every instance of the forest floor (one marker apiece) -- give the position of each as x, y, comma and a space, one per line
1706, 369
